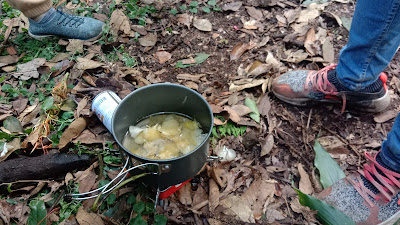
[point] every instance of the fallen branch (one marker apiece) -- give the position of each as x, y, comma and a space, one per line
41, 167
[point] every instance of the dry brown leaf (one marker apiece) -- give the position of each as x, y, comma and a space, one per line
235, 206
192, 85
140, 29
85, 64
292, 14
60, 57
86, 178
163, 56
218, 122
305, 185
31, 139
81, 105
248, 83
313, 11
17, 212
30, 115
328, 51
200, 196
212, 221
232, 6
309, 41
188, 61
73, 130
232, 114
186, 76
120, 22
54, 186
385, 116
216, 108
149, 40
4, 116
28, 70
295, 57
9, 148
239, 49
334, 146
258, 68
19, 105
75, 46
184, 194
213, 199
241, 110
8, 59
202, 24
264, 106
254, 13
185, 19
87, 137
267, 145
68, 178
85, 218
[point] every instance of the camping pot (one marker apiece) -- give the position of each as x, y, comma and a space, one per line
165, 98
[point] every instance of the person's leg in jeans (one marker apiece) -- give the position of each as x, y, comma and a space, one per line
45, 21
373, 41
371, 195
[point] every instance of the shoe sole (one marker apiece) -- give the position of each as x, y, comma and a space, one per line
41, 37
392, 220
374, 106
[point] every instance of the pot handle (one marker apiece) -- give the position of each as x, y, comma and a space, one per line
211, 158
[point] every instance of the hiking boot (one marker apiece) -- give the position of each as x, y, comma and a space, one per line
304, 87
61, 24
369, 197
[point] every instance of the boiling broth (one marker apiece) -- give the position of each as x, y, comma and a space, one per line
164, 136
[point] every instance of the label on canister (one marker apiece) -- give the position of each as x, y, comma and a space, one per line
104, 105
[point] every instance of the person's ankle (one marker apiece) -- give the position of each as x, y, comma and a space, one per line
372, 88
41, 16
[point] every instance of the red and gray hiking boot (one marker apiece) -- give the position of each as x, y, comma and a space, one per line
305, 87
370, 196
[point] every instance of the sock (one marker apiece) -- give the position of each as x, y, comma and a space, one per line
46, 14
374, 87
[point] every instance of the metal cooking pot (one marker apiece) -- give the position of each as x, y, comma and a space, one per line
166, 98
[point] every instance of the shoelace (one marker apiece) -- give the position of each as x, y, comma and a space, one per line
66, 19
388, 180
319, 82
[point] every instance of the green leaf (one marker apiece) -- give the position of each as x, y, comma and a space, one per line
193, 4
255, 115
112, 159
217, 9
183, 7
193, 10
329, 170
131, 199
68, 105
138, 221
200, 57
111, 199
212, 2
48, 103
326, 213
13, 125
10, 200
206, 9
38, 212
149, 208
139, 207
173, 11
160, 220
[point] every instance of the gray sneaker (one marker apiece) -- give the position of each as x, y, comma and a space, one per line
61, 24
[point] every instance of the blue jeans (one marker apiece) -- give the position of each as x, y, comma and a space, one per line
373, 40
